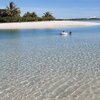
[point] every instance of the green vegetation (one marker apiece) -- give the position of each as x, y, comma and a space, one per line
47, 16
12, 10
12, 14
30, 16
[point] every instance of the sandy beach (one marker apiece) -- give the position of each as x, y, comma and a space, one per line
46, 24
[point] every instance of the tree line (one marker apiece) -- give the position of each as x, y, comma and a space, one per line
13, 14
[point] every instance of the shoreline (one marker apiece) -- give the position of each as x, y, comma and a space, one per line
46, 24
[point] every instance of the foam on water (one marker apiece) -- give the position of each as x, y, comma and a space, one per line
50, 67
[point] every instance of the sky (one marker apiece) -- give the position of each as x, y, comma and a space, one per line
59, 8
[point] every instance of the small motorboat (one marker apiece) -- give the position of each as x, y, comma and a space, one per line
65, 33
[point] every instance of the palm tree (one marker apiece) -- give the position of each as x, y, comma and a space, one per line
28, 14
12, 10
3, 13
48, 16
33, 14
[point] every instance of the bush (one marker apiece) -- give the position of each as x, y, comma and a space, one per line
10, 19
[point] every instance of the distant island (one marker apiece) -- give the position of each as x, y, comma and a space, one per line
13, 14
81, 19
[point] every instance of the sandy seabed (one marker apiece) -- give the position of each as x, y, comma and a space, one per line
50, 67
52, 73
46, 24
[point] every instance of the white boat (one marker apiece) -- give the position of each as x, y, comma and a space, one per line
64, 33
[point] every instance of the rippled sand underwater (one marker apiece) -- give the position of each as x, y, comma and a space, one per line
51, 67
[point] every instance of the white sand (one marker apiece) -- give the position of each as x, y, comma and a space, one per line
45, 24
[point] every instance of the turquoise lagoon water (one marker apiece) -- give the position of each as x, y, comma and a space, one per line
42, 65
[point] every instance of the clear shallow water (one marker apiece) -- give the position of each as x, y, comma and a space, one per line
41, 65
